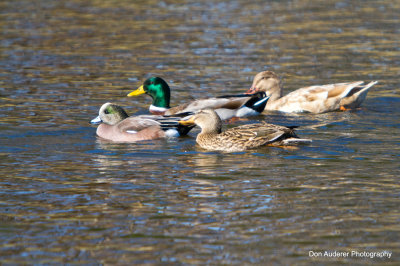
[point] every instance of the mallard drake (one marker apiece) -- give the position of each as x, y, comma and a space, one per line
313, 99
117, 126
238, 138
227, 106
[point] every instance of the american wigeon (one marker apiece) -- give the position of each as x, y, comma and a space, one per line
116, 125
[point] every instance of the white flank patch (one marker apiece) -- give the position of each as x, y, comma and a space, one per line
172, 133
246, 111
131, 131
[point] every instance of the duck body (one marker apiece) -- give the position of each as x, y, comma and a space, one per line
239, 138
246, 137
313, 99
117, 126
228, 106
118, 134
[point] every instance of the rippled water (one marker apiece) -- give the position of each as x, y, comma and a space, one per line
68, 197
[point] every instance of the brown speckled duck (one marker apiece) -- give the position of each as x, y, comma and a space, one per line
239, 138
313, 99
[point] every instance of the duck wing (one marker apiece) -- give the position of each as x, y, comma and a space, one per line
323, 92
137, 123
253, 135
316, 99
226, 102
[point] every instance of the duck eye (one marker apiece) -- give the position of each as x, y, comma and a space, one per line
151, 82
108, 110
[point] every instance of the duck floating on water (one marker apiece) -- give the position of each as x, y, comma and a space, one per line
116, 125
239, 138
313, 99
227, 106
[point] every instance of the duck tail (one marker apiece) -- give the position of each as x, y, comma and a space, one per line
257, 102
358, 90
172, 123
295, 141
356, 96
292, 127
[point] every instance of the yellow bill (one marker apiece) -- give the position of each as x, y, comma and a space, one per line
188, 122
136, 92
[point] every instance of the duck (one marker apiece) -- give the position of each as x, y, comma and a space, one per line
116, 125
313, 99
239, 138
227, 106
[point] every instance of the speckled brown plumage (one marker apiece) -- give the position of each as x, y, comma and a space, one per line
238, 138
246, 137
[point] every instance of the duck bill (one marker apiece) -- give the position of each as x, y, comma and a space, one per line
95, 121
136, 92
189, 122
252, 90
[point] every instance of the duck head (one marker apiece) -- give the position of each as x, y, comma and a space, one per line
207, 119
268, 82
110, 114
158, 90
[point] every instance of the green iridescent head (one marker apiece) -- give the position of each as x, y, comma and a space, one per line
158, 90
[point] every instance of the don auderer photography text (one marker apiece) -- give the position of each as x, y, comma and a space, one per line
350, 254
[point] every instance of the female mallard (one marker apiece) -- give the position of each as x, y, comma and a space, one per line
238, 138
116, 125
314, 99
226, 106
